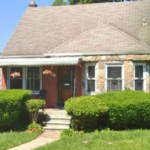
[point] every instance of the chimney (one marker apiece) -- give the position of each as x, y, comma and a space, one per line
32, 4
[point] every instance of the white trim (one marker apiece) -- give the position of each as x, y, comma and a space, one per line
86, 79
96, 53
144, 75
8, 78
40, 61
40, 78
114, 65
24, 79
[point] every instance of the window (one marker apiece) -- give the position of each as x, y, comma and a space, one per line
30, 78
33, 78
114, 77
16, 83
90, 79
140, 77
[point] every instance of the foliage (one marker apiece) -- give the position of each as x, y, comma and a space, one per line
12, 108
59, 2
33, 105
127, 110
11, 139
34, 127
106, 140
85, 111
67, 132
72, 2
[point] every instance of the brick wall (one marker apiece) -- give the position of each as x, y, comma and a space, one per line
79, 81
4, 79
50, 84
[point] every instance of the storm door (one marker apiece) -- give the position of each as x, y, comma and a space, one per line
66, 83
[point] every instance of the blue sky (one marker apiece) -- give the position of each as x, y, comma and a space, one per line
11, 11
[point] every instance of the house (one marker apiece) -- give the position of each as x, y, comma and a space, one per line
90, 48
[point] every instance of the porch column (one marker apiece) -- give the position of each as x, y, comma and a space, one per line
4, 78
79, 80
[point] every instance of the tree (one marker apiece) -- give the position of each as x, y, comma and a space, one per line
59, 2
72, 2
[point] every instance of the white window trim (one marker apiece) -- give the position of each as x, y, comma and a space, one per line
111, 65
144, 75
24, 84
86, 79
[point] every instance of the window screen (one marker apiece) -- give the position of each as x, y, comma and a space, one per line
114, 78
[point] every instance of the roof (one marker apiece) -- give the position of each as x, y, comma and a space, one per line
99, 27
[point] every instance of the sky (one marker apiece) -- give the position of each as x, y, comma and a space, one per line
11, 11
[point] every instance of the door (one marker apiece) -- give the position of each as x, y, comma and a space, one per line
66, 83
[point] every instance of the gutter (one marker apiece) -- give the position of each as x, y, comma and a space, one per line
23, 56
76, 54
96, 53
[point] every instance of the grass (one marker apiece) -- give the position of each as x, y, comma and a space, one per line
104, 140
11, 139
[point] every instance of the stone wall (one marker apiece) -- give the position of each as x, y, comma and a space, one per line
115, 57
128, 72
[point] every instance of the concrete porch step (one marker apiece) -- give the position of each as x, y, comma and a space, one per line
57, 113
55, 128
57, 123
57, 118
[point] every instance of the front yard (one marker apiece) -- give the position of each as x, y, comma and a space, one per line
104, 140
11, 139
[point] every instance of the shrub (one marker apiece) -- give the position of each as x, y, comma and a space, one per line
85, 111
13, 108
33, 105
67, 132
127, 110
34, 127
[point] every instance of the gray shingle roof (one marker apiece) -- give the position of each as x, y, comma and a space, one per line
96, 27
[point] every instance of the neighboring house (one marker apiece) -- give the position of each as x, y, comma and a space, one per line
91, 48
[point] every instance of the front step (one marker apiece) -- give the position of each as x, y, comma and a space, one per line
53, 128
57, 120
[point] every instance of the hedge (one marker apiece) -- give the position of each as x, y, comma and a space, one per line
85, 111
115, 110
127, 110
12, 108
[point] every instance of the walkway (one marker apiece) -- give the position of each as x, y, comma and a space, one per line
46, 137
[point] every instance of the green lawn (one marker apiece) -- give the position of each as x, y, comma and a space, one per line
11, 139
106, 140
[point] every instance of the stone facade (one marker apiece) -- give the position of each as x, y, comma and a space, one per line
128, 62
115, 57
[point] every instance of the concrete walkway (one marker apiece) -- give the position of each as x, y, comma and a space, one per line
46, 137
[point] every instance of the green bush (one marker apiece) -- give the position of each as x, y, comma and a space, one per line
85, 111
12, 108
127, 110
34, 127
67, 132
33, 105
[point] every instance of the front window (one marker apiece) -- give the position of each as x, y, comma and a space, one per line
33, 78
139, 77
30, 78
90, 79
114, 77
16, 83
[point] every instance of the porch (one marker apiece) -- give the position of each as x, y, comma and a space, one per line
66, 83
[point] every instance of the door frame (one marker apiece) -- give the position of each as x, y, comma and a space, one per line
75, 68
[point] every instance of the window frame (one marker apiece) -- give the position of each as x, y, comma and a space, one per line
86, 79
144, 75
114, 65
24, 78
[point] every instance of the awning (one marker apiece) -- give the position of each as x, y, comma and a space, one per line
40, 61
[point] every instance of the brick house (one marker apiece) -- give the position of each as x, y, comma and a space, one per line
91, 48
